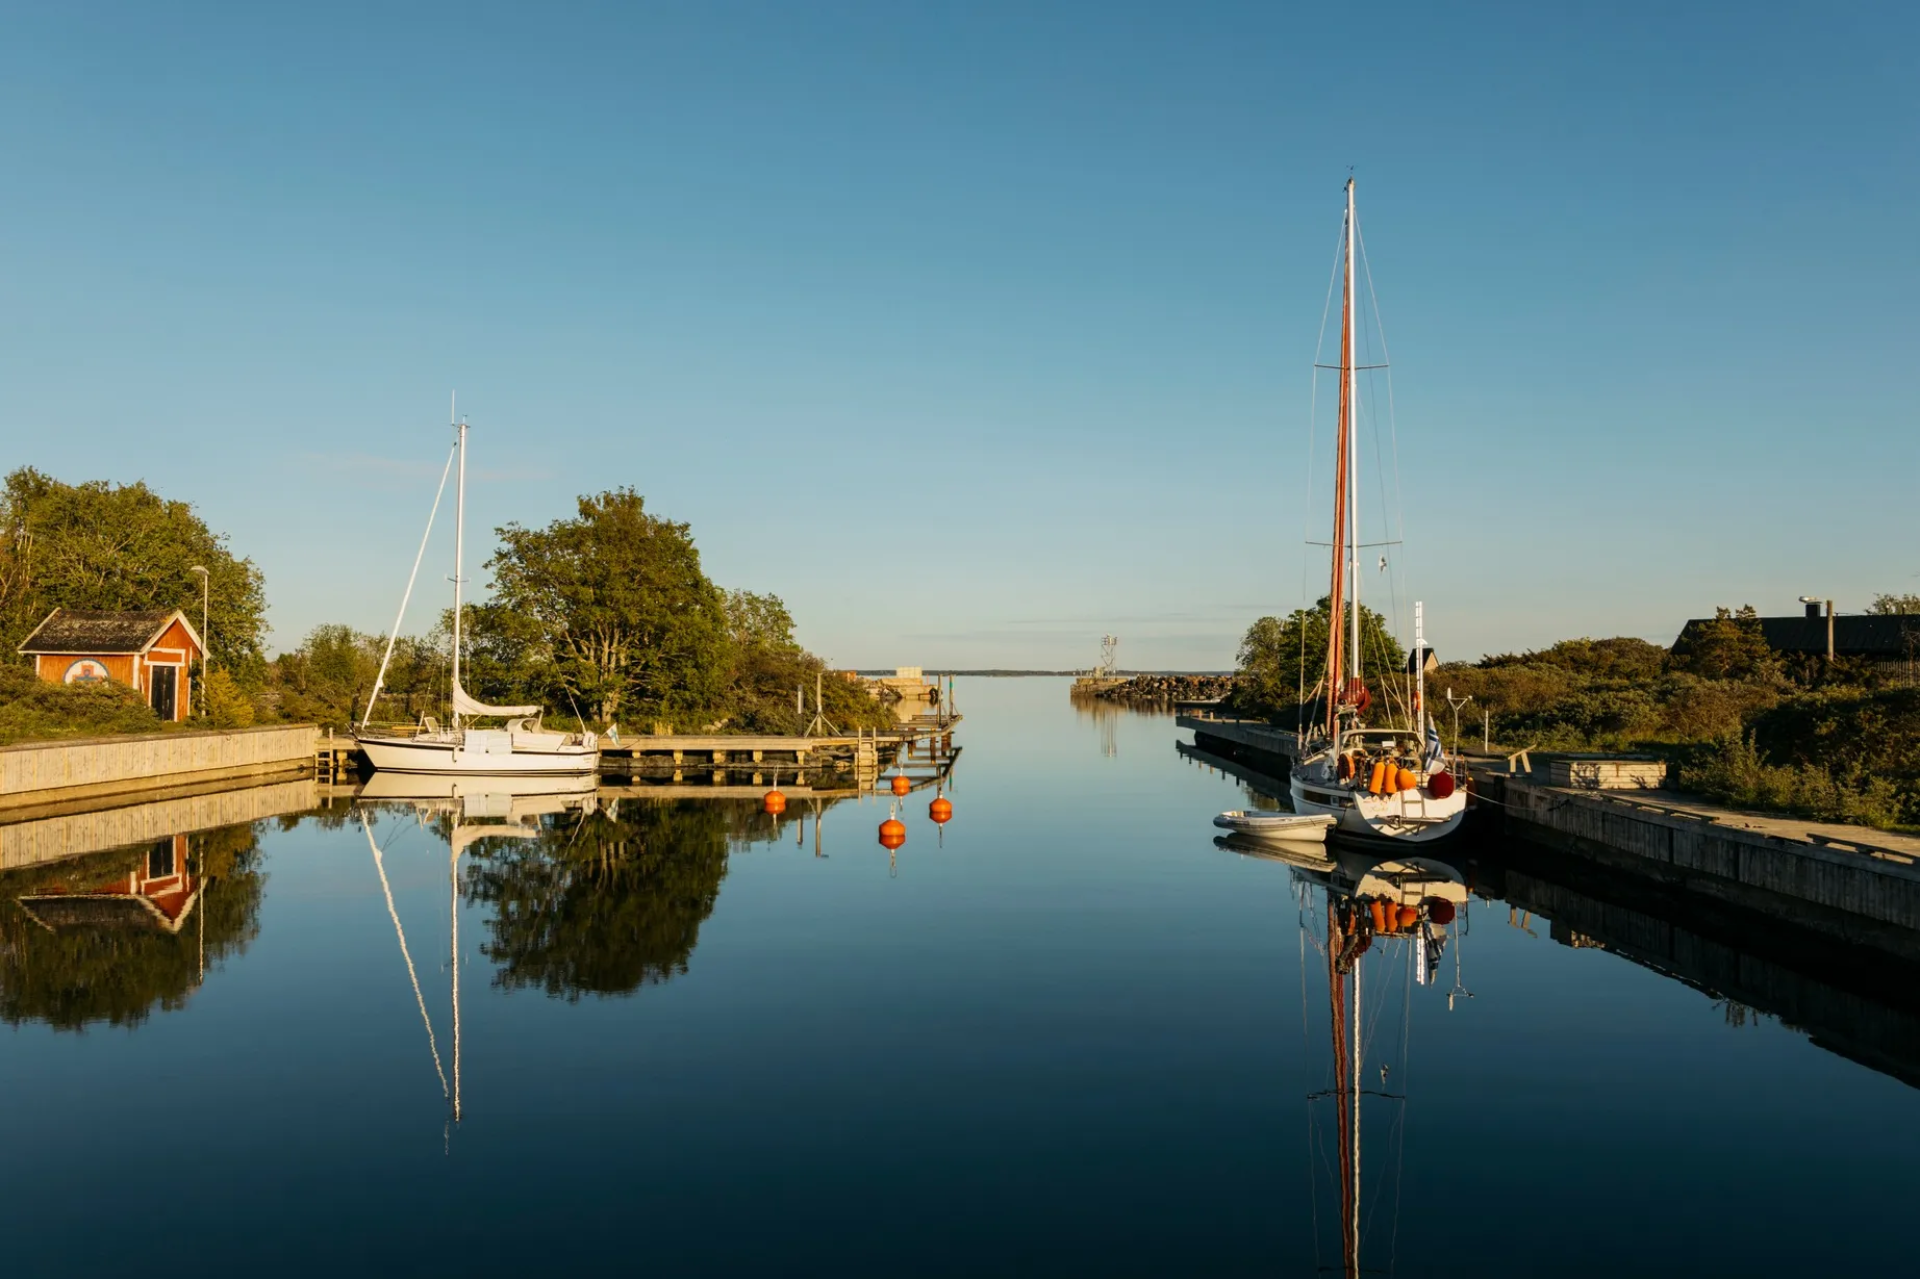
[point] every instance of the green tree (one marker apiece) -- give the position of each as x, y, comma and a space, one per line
328, 679
222, 703
759, 621
625, 619
1280, 658
1729, 646
1904, 605
121, 546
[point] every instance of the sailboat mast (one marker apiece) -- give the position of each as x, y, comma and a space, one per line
1337, 591
459, 553
1351, 400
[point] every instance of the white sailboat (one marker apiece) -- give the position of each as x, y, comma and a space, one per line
1376, 781
520, 747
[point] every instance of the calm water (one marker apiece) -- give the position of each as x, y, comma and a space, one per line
1071, 1037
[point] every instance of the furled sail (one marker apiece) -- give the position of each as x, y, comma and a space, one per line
464, 703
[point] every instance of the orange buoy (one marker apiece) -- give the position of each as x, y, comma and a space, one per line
893, 833
1409, 916
1390, 784
1378, 777
1379, 913
1439, 910
774, 802
1343, 767
941, 809
900, 784
1440, 785
1407, 779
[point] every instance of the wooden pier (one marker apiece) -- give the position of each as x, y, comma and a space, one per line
926, 740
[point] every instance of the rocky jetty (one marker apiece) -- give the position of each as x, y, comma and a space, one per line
1166, 689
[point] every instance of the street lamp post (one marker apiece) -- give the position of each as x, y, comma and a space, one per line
206, 653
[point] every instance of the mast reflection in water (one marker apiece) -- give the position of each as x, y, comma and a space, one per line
586, 893
1379, 931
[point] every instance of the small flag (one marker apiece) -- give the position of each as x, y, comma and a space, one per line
1436, 753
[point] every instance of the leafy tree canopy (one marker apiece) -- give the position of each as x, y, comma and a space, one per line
121, 546
1729, 646
615, 602
1894, 604
1279, 658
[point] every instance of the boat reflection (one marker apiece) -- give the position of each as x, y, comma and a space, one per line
1379, 926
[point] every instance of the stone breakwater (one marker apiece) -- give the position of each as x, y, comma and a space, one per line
1166, 688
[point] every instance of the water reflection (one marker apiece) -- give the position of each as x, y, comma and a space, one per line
1848, 1000
606, 900
586, 892
1263, 793
107, 937
1375, 934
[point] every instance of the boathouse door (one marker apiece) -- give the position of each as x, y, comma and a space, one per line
164, 690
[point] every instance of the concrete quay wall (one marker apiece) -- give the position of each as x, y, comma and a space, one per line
1854, 895
1249, 741
37, 773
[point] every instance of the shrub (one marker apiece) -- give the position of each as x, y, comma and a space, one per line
1736, 772
33, 709
223, 704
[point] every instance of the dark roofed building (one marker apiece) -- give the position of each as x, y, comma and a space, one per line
149, 650
1888, 640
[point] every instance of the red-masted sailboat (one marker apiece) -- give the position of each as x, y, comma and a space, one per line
1377, 780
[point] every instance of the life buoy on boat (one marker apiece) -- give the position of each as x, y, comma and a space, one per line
1378, 777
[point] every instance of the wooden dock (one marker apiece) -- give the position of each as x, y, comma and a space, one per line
927, 740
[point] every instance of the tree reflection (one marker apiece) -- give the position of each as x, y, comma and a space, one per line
604, 902
107, 937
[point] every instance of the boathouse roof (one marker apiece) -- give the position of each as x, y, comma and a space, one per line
88, 631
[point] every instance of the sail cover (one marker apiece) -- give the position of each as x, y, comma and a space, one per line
464, 703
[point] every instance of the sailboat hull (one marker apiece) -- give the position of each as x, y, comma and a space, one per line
480, 752
1409, 817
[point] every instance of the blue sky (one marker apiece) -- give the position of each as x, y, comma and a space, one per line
976, 330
